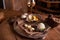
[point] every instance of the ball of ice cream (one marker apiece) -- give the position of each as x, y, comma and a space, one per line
41, 26
24, 15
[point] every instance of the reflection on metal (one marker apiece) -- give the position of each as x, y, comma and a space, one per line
4, 7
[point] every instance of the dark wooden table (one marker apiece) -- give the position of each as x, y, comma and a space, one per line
7, 34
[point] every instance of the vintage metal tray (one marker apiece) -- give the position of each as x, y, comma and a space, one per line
22, 31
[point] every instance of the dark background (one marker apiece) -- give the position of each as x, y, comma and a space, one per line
1, 4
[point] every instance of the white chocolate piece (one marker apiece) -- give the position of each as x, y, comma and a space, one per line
33, 29
29, 27
26, 25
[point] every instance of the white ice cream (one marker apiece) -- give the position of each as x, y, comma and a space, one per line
41, 26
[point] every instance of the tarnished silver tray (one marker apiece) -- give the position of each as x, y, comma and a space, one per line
22, 31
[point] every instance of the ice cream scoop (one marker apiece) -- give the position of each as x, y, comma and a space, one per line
24, 15
41, 26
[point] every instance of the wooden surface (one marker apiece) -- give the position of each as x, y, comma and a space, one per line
6, 32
